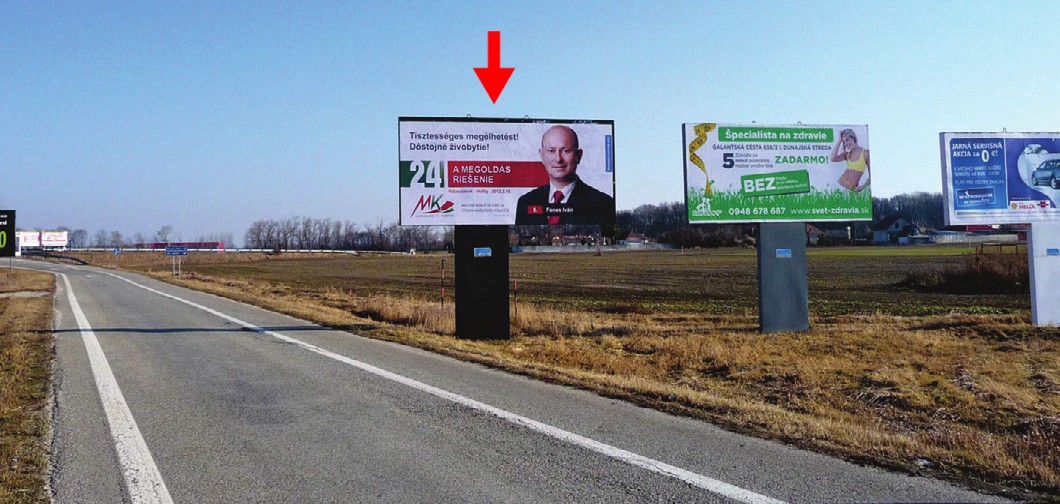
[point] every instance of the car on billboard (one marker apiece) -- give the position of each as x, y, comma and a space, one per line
1047, 173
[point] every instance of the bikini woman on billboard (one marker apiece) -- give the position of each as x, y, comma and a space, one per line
857, 159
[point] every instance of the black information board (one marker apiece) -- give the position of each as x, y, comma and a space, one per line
7, 233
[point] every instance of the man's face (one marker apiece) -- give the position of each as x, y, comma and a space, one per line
560, 154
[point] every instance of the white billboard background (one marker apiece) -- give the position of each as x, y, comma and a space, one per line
53, 238
29, 238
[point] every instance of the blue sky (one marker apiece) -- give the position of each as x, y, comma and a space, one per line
209, 115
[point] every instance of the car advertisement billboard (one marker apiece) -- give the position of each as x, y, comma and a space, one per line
8, 244
777, 173
1000, 178
473, 171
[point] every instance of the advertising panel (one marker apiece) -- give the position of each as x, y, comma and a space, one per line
8, 244
471, 171
777, 173
28, 238
53, 238
1000, 178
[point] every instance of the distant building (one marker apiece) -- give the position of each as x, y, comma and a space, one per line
980, 234
635, 238
891, 228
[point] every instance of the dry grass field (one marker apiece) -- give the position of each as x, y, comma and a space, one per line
920, 358
25, 372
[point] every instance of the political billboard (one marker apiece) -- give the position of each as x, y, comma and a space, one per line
1000, 178
7, 233
28, 238
474, 171
776, 173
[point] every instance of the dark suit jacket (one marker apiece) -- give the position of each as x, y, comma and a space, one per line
586, 205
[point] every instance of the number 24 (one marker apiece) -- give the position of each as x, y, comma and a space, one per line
432, 171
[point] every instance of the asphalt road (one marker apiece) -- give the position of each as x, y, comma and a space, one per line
168, 395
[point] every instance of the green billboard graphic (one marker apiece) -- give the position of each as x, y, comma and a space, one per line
778, 173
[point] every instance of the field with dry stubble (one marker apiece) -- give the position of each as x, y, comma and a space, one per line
919, 358
25, 373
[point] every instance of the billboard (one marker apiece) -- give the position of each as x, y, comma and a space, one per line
776, 173
1000, 178
8, 244
53, 238
472, 171
29, 238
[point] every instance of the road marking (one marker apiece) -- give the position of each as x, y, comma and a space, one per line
698, 480
142, 479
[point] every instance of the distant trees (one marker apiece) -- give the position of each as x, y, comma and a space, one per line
664, 222
305, 233
921, 208
164, 234
77, 238
224, 237
668, 223
101, 238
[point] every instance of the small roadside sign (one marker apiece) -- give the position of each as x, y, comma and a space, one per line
176, 251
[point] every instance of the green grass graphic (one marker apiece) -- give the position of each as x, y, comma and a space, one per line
735, 205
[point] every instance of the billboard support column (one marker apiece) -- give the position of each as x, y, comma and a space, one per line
783, 303
1043, 252
481, 254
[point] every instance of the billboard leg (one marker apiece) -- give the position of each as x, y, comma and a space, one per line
481, 254
783, 303
1043, 257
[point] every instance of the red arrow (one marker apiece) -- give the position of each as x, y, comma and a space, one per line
493, 77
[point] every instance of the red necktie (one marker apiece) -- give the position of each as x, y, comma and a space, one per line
557, 197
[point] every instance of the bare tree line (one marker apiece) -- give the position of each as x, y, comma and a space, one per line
307, 233
80, 238
666, 222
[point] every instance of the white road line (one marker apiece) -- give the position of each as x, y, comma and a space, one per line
698, 480
142, 479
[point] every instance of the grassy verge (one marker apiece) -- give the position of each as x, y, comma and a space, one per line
949, 384
25, 372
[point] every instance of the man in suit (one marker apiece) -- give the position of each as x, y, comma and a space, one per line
566, 199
